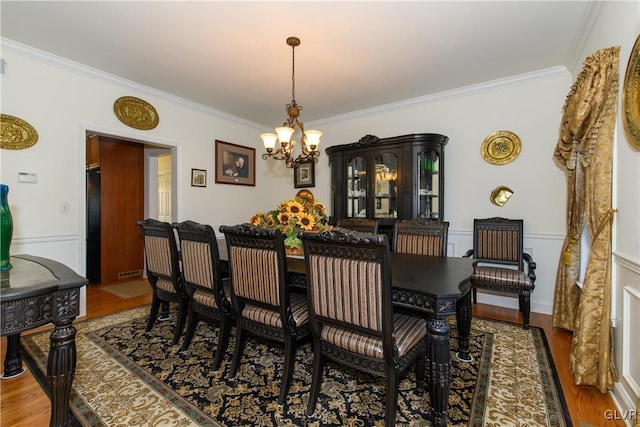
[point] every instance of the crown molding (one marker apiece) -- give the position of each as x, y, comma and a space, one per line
93, 73
547, 73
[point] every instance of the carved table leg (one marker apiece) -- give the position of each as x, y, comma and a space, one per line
13, 358
439, 369
463, 319
61, 368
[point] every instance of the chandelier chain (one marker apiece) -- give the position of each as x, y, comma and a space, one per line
293, 75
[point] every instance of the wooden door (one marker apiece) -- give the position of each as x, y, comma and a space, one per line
122, 204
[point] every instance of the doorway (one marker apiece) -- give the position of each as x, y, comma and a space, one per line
122, 182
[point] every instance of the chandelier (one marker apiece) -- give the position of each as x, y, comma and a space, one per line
283, 138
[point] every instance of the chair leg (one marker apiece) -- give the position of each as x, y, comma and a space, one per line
223, 341
525, 308
316, 381
392, 396
474, 293
191, 328
420, 364
153, 313
164, 314
182, 317
289, 360
238, 349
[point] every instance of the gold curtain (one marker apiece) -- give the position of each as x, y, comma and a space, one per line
637, 420
585, 148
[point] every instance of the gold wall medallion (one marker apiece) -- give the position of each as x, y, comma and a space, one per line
501, 147
136, 113
501, 195
631, 97
15, 133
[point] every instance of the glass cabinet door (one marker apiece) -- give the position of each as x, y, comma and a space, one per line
357, 187
429, 184
386, 186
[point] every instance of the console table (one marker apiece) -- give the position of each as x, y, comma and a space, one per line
35, 292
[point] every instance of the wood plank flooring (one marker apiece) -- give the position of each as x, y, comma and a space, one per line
24, 403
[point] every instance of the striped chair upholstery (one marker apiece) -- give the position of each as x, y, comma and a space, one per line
163, 272
361, 225
209, 292
262, 301
501, 264
351, 311
421, 236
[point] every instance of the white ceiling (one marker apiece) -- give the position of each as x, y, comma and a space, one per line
232, 56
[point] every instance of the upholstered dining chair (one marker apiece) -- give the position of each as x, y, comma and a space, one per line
421, 236
500, 261
261, 298
163, 272
351, 312
361, 225
209, 294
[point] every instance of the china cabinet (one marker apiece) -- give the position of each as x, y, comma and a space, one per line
400, 177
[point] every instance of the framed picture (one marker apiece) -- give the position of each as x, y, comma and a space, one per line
304, 175
198, 178
235, 164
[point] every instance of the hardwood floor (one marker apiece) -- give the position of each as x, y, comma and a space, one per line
24, 403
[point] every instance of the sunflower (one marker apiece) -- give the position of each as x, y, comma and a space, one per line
283, 217
294, 207
256, 219
306, 221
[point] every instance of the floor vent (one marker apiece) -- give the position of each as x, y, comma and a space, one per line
131, 273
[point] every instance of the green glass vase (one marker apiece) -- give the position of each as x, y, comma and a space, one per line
6, 228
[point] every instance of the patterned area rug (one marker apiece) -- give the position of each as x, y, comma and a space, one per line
125, 377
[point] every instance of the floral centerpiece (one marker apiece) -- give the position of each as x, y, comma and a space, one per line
300, 213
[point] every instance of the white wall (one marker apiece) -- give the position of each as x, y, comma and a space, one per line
619, 25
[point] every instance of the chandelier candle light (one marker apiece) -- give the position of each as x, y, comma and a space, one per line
309, 139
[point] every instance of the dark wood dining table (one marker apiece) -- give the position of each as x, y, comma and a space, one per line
434, 287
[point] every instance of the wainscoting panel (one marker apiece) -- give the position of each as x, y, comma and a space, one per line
64, 249
626, 337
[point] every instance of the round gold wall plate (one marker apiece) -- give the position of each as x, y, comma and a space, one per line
631, 97
15, 133
501, 147
136, 113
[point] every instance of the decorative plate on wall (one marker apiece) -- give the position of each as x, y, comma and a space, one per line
136, 113
631, 97
501, 147
501, 195
15, 133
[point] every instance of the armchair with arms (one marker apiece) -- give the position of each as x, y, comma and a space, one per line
501, 263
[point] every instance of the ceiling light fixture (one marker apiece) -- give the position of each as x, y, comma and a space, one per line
284, 135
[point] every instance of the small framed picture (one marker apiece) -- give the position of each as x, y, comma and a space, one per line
304, 175
198, 178
235, 164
